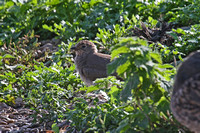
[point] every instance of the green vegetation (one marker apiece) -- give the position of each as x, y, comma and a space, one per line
140, 103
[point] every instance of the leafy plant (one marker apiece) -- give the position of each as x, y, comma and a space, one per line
187, 14
147, 82
51, 86
96, 115
49, 89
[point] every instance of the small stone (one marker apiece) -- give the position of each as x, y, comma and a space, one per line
4, 130
18, 102
3, 106
11, 116
56, 41
10, 120
3, 122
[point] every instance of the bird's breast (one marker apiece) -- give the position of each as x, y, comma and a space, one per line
80, 62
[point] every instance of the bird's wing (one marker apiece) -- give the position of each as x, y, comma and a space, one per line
92, 73
98, 61
96, 66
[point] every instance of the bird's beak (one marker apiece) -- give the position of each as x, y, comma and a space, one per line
73, 48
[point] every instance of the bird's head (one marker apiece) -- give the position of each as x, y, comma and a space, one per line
84, 47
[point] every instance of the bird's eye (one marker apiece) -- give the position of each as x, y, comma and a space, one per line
83, 46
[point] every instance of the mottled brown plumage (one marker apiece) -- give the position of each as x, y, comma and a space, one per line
89, 63
185, 100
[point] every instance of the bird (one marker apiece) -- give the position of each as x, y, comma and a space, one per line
185, 98
89, 63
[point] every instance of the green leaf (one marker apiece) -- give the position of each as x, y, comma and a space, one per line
179, 30
112, 67
55, 128
122, 68
9, 4
47, 27
163, 105
53, 2
165, 66
179, 56
11, 67
157, 57
193, 41
2, 77
92, 88
55, 70
157, 94
8, 56
93, 2
177, 44
175, 52
144, 123
118, 51
132, 83
114, 91
174, 35
123, 126
34, 2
